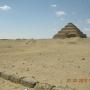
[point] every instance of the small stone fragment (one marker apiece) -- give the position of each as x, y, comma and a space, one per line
83, 58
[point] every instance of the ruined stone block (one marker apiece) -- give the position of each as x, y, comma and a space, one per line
16, 79
43, 86
28, 82
6, 75
63, 88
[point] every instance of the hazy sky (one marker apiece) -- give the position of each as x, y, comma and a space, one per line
42, 18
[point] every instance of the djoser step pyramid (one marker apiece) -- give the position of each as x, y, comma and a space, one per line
70, 30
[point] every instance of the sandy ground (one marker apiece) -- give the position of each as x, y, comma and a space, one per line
50, 61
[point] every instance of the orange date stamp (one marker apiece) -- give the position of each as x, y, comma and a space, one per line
81, 80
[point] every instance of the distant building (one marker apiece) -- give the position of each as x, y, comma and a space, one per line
70, 30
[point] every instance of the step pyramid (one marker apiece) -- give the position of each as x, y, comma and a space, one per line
70, 30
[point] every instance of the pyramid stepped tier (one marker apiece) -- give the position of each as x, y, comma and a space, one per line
70, 30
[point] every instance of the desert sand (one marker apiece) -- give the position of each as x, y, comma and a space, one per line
53, 61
